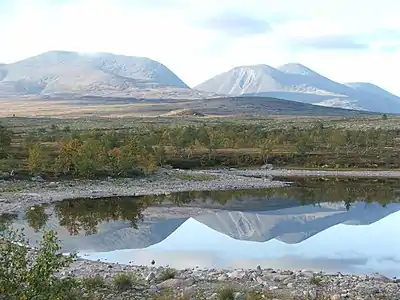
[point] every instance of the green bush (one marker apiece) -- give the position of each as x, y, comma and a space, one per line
26, 274
124, 281
95, 282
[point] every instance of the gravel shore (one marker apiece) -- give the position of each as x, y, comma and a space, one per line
266, 283
23, 194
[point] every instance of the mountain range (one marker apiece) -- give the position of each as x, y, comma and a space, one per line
67, 75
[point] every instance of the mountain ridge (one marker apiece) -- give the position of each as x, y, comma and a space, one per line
296, 82
67, 72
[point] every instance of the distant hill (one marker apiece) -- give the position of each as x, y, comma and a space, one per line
264, 106
65, 73
298, 83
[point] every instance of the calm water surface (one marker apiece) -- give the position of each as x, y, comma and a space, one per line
336, 226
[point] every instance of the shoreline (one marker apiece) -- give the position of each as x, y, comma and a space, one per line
163, 182
312, 173
24, 193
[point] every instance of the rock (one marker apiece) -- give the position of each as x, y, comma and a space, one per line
237, 274
4, 175
380, 277
312, 294
259, 280
267, 167
238, 296
290, 285
222, 277
37, 179
52, 184
151, 276
214, 296
336, 297
96, 191
171, 283
259, 270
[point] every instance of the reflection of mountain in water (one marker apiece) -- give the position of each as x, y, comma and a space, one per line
111, 235
289, 225
293, 225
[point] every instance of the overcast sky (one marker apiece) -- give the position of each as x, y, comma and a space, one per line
344, 40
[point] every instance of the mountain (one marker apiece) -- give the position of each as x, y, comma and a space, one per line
296, 82
63, 72
371, 88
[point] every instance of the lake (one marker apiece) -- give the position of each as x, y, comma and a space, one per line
346, 225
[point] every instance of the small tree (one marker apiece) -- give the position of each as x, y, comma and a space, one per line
384, 117
26, 277
36, 159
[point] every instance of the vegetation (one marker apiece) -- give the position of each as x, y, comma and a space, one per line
124, 281
25, 277
68, 150
95, 282
167, 274
227, 293
195, 177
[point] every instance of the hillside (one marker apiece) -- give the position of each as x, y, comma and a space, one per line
152, 107
264, 106
298, 83
70, 73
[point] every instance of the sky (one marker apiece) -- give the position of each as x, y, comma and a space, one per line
346, 41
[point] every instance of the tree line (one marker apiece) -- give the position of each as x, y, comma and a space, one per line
141, 150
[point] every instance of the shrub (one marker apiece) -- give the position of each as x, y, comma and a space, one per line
124, 281
167, 274
94, 282
25, 274
227, 293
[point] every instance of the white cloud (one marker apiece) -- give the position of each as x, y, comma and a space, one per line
169, 31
